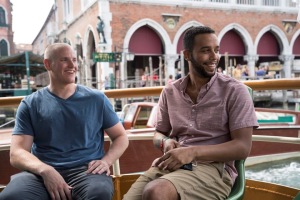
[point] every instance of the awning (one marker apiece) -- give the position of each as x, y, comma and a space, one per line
26, 63
17, 63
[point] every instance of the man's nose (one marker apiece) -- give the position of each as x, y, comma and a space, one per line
215, 55
73, 64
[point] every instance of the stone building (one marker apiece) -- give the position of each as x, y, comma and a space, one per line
250, 32
6, 34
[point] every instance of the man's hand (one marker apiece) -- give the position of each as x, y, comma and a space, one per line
98, 167
170, 144
174, 159
56, 185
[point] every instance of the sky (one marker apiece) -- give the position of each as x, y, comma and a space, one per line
28, 18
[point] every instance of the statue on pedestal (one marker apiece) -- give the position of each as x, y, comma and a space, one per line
100, 29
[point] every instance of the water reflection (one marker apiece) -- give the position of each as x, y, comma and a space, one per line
284, 172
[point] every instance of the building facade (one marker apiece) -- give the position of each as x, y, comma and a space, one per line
6, 34
6, 39
107, 33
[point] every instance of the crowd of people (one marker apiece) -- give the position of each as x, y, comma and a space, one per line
241, 72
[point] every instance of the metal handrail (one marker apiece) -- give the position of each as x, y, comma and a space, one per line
6, 123
279, 139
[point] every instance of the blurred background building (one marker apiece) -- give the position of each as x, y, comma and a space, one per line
6, 34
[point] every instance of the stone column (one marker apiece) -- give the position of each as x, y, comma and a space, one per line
287, 63
170, 65
251, 60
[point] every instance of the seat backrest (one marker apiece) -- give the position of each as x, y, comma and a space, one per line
250, 91
238, 189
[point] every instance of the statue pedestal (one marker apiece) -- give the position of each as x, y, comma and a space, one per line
102, 46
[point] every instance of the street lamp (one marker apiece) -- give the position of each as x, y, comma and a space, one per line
129, 56
64, 32
123, 57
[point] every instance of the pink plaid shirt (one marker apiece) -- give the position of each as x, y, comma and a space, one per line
223, 105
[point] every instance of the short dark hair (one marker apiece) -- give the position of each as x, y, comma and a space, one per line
190, 34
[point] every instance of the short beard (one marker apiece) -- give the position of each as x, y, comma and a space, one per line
199, 69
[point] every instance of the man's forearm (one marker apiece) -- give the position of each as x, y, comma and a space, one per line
117, 148
26, 161
158, 138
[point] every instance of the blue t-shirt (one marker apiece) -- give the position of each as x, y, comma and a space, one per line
66, 132
260, 72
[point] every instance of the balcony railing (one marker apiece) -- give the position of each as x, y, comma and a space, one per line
257, 5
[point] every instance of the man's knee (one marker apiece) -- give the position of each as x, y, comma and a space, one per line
95, 191
8, 196
15, 194
100, 193
151, 191
25, 185
105, 192
160, 189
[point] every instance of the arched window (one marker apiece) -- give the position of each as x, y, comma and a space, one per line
3, 48
68, 10
2, 17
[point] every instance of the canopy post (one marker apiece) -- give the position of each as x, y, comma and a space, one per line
27, 72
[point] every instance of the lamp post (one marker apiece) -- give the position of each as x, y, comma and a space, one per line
128, 56
121, 59
118, 59
64, 31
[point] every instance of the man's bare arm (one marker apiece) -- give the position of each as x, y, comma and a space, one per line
21, 158
236, 149
163, 142
119, 144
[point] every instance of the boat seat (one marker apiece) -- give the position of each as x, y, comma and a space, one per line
238, 189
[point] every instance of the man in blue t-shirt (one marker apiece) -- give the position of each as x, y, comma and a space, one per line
261, 72
58, 138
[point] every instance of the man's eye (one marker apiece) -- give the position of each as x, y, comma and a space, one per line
205, 51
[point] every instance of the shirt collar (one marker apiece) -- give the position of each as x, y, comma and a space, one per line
185, 80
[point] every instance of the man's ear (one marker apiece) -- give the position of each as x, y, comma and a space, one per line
47, 64
187, 55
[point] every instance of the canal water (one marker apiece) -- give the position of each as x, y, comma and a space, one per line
283, 172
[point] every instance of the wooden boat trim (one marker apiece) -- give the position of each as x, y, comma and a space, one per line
265, 190
271, 84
